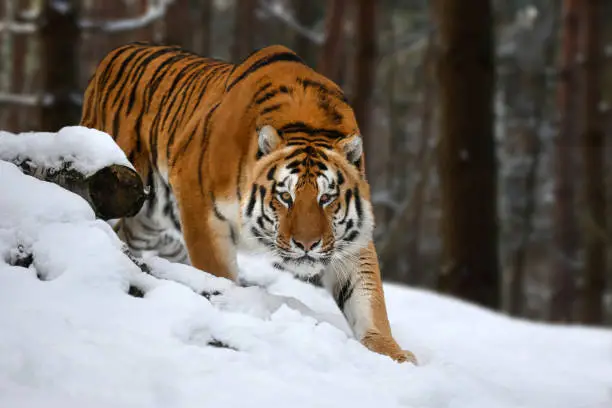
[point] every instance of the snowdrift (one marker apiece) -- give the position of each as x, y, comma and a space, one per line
83, 326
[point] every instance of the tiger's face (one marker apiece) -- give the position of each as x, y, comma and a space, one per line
306, 209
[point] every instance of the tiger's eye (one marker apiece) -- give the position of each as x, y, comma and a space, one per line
285, 196
324, 198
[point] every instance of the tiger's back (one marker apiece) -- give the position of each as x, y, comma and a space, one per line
264, 154
146, 97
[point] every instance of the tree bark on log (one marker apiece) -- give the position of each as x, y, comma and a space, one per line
115, 191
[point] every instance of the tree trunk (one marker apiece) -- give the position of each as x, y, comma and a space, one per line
330, 61
114, 191
306, 15
59, 36
365, 73
592, 137
204, 44
244, 30
413, 250
179, 24
565, 228
466, 154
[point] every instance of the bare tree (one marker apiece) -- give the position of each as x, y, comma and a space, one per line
306, 14
203, 39
565, 228
179, 24
244, 29
60, 36
466, 152
593, 154
330, 61
365, 71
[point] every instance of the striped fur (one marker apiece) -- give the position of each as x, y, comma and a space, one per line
262, 156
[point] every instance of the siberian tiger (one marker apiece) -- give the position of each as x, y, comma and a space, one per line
262, 155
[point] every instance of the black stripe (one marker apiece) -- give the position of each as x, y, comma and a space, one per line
271, 108
352, 236
252, 200
347, 198
266, 97
268, 60
306, 83
270, 175
202, 148
340, 178
358, 207
216, 211
261, 90
301, 127
344, 294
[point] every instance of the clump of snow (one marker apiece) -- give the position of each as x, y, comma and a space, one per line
85, 150
83, 326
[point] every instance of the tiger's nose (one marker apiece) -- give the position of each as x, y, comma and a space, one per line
306, 244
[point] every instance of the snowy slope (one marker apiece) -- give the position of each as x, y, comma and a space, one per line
72, 336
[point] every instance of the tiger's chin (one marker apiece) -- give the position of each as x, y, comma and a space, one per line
304, 268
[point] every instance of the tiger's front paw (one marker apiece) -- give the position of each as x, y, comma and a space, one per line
387, 346
405, 356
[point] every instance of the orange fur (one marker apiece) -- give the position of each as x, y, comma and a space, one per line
227, 139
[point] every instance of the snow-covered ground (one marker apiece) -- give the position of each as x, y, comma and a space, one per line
82, 326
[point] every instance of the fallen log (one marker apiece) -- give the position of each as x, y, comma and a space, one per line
83, 161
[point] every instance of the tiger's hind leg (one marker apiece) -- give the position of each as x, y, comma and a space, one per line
155, 228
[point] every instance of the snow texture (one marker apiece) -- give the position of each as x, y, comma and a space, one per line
83, 326
55, 150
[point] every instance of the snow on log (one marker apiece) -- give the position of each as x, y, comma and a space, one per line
84, 161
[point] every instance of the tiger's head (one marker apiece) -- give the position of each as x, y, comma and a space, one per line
308, 205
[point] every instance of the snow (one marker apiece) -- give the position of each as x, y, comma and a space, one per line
72, 336
53, 150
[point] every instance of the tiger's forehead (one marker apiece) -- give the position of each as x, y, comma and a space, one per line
308, 165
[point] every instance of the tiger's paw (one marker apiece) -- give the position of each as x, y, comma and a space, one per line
405, 356
386, 345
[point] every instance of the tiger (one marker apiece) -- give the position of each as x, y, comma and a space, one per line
261, 156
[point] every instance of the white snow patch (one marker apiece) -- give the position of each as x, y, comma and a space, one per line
72, 336
87, 150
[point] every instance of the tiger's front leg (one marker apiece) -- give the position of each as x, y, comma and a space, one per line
209, 236
357, 289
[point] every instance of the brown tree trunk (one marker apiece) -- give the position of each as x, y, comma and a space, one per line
466, 154
306, 15
592, 138
565, 228
423, 162
365, 73
179, 24
330, 60
244, 30
59, 36
205, 28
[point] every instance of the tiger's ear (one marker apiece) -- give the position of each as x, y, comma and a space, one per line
268, 139
353, 148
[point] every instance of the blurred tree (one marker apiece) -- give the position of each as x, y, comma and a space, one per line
593, 154
244, 29
466, 154
60, 38
203, 39
331, 58
565, 228
179, 24
306, 13
365, 71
